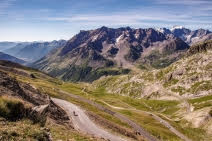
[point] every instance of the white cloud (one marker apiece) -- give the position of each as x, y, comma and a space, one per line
184, 2
131, 18
80, 15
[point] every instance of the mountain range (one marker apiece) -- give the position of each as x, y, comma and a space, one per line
107, 51
32, 51
132, 84
187, 35
172, 103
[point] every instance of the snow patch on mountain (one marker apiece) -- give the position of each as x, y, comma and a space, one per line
95, 38
160, 30
119, 38
176, 27
137, 36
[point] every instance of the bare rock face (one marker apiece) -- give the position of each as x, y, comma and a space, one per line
169, 77
178, 72
39, 114
174, 74
202, 47
94, 53
187, 35
58, 114
42, 109
199, 118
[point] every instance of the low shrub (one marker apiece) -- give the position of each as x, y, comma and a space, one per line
12, 109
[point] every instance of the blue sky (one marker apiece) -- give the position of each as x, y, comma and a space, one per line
30, 20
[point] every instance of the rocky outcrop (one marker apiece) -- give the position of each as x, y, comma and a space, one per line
12, 87
58, 114
202, 47
39, 114
43, 106
199, 118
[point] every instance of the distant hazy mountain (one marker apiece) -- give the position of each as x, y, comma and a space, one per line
14, 50
106, 51
187, 35
7, 45
35, 50
7, 57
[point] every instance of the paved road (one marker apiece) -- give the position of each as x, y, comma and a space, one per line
138, 129
163, 122
82, 122
171, 128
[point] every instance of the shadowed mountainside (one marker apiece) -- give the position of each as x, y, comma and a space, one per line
7, 57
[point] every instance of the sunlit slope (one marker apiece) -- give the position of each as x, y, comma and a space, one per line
139, 110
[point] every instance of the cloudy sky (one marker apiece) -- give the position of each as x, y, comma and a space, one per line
30, 20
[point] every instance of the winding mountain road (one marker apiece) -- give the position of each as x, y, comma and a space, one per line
163, 122
82, 122
140, 131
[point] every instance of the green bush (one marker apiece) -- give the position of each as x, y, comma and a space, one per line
11, 109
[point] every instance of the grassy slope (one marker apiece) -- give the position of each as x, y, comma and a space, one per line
164, 108
195, 80
51, 87
24, 129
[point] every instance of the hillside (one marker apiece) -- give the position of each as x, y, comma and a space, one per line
28, 114
7, 57
7, 45
126, 117
33, 51
107, 51
168, 103
188, 81
192, 68
15, 49
106, 70
48, 119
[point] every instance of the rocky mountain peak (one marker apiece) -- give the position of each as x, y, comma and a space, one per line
187, 35
94, 50
104, 28
200, 32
